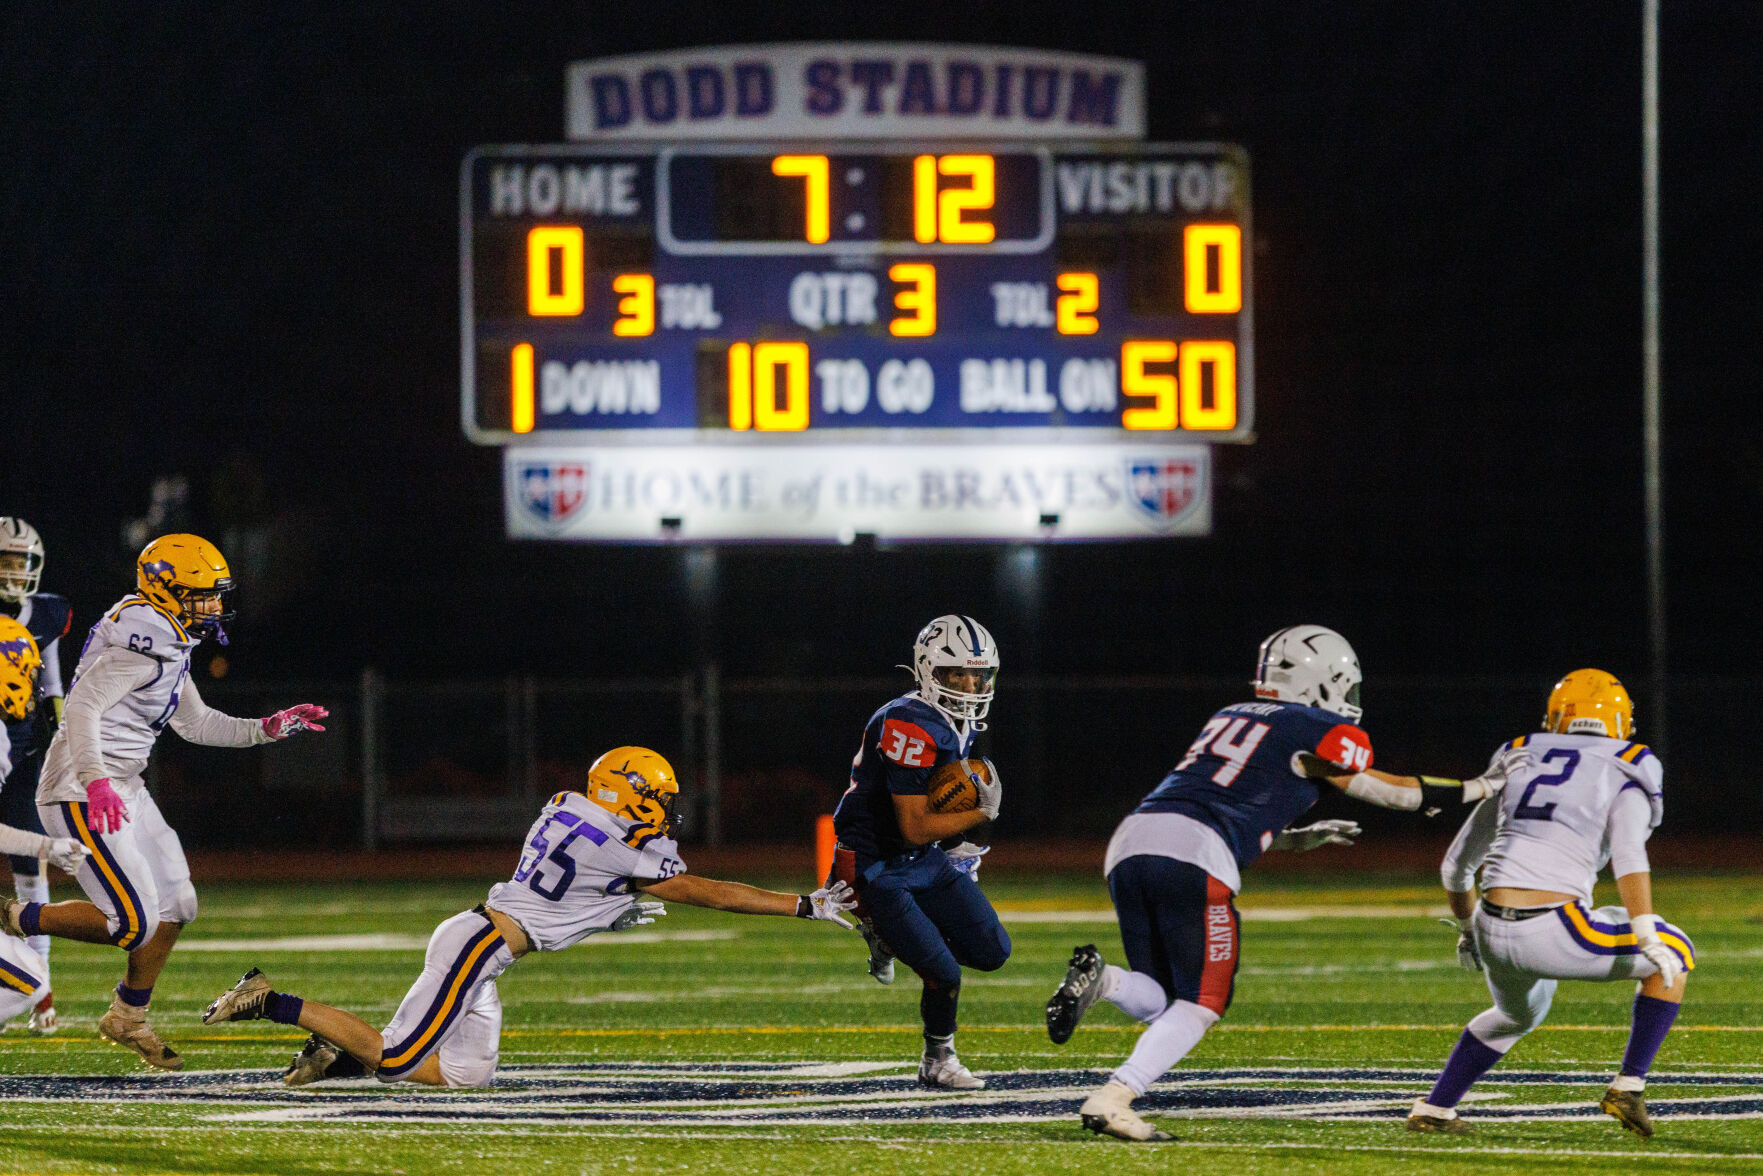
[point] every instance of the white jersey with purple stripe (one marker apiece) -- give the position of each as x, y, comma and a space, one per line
1554, 814
130, 726
575, 875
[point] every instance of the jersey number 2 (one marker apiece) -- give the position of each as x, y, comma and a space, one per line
1527, 811
1226, 739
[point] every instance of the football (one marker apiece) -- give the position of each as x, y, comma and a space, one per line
952, 789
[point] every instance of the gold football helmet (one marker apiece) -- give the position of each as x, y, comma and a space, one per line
19, 664
188, 577
635, 783
1590, 702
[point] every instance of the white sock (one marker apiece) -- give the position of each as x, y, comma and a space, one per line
1629, 1083
33, 888
1175, 1032
1422, 1107
1133, 993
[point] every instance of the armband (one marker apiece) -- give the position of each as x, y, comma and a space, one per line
1438, 793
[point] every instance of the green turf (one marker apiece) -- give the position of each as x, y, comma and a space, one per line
1361, 992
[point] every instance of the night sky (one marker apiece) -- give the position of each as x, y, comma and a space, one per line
231, 254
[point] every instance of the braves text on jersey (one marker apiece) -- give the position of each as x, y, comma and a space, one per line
1240, 777
903, 743
575, 875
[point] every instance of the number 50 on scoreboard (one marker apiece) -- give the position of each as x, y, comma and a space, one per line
976, 292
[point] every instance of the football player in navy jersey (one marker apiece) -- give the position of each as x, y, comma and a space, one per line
48, 617
1174, 864
912, 869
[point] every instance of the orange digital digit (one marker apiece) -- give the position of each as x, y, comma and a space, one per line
740, 386
636, 310
1200, 245
924, 199
816, 171
752, 386
521, 410
978, 196
1221, 357
565, 296
1136, 381
919, 299
1076, 311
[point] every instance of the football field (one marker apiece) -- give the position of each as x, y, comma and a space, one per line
713, 1043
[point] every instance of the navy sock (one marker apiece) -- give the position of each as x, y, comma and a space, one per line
1469, 1061
937, 1008
1652, 1020
282, 1008
138, 997
27, 918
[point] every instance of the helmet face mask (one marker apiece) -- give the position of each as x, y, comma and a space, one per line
21, 560
186, 576
1313, 666
955, 662
19, 665
1590, 702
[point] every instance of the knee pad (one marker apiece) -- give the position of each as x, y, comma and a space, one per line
471, 1076
180, 905
945, 975
993, 955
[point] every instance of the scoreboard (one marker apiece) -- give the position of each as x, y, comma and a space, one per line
814, 288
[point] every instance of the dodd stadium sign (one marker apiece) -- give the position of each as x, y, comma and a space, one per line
856, 90
833, 493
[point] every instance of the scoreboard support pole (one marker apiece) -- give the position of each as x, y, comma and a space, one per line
1650, 393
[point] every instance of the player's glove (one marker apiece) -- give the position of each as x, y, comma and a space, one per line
637, 914
296, 718
990, 794
1490, 782
105, 812
1316, 836
1646, 937
827, 904
965, 857
1468, 954
66, 854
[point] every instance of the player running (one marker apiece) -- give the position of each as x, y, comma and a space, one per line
24, 972
133, 679
1174, 864
588, 859
47, 617
1589, 796
919, 901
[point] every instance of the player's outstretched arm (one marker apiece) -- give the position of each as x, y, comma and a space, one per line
826, 904
1408, 793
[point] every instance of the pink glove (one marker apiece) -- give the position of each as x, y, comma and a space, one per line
296, 718
104, 808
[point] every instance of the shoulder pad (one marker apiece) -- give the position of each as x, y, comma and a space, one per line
1634, 753
135, 624
912, 709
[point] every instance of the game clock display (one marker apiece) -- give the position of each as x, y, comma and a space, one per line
832, 290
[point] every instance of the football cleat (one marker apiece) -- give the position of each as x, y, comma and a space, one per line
309, 1065
1426, 1119
881, 956
242, 1002
1109, 1112
126, 1025
947, 1073
1076, 993
9, 912
43, 1021
1629, 1107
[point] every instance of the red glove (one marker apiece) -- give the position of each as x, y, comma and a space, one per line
296, 718
104, 808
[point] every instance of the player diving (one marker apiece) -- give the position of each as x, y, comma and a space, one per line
1174, 865
24, 972
1589, 796
47, 618
132, 681
913, 871
594, 862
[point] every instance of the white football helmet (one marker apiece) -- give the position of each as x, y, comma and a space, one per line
1311, 665
948, 644
21, 559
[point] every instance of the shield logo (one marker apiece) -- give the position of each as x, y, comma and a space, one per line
1165, 489
552, 492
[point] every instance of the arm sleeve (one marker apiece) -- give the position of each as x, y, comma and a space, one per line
198, 722
1470, 846
1629, 825
107, 680
21, 843
49, 679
